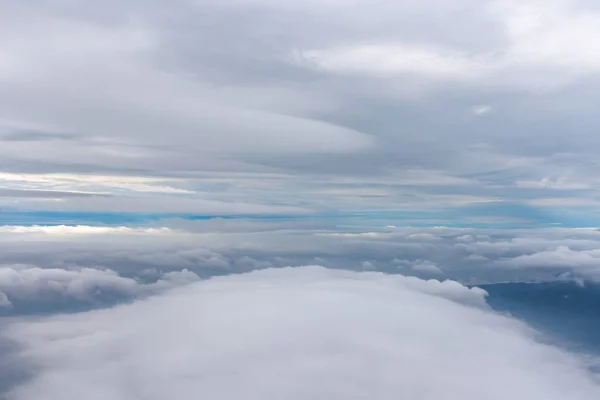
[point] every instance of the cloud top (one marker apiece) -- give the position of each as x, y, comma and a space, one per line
297, 333
25, 287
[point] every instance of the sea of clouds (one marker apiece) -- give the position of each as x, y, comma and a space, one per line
313, 128
229, 309
296, 333
46, 266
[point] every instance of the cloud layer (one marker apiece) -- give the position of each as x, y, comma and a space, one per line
316, 105
55, 267
295, 334
35, 289
218, 246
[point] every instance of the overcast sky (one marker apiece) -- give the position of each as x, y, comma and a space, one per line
299, 106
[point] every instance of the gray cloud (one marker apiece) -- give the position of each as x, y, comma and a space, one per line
32, 136
44, 194
217, 247
310, 90
28, 288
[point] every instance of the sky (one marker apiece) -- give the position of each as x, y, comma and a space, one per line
200, 191
320, 106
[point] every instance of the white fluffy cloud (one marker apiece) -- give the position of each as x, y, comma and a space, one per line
583, 262
474, 255
35, 285
296, 334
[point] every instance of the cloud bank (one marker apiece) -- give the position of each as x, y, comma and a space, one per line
228, 246
43, 289
297, 333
